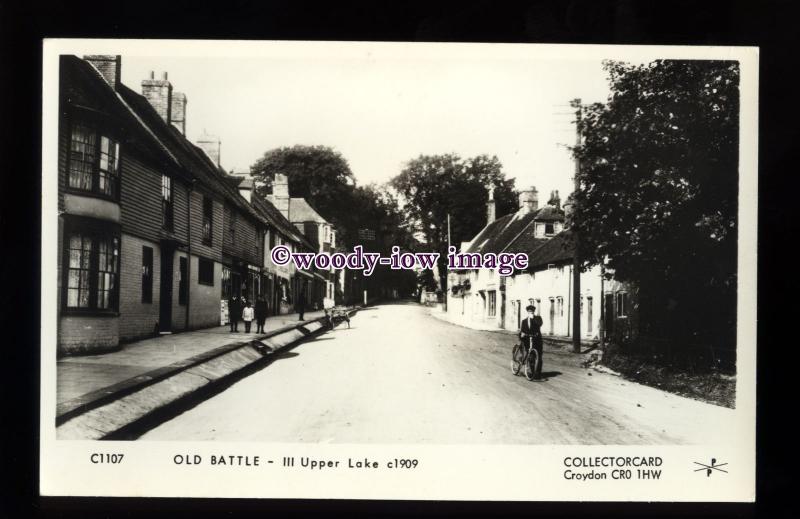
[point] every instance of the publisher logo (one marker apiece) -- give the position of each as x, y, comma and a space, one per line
711, 468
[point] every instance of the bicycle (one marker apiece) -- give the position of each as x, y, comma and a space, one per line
527, 357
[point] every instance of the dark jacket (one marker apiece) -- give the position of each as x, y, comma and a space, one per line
534, 327
235, 309
261, 309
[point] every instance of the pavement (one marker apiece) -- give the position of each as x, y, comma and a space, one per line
399, 375
557, 344
80, 375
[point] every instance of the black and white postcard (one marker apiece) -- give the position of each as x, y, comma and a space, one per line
434, 271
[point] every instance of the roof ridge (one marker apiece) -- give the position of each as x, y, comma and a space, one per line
485, 227
533, 220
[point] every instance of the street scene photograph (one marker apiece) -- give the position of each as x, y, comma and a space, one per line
396, 244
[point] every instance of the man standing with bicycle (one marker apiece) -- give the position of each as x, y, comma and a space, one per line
530, 333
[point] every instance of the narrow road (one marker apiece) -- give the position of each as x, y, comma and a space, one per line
400, 375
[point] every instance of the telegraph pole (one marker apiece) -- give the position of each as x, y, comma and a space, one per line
576, 263
446, 283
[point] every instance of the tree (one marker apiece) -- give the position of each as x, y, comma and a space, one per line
323, 177
319, 174
434, 186
658, 192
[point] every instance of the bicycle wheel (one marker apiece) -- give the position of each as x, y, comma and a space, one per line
516, 360
530, 365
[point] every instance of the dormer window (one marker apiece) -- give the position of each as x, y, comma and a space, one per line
549, 229
93, 162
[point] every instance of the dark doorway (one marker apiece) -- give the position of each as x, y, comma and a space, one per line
165, 306
502, 309
608, 316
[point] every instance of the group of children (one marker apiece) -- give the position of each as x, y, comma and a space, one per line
240, 309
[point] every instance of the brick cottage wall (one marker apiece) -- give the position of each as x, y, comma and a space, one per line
204, 299
79, 334
137, 319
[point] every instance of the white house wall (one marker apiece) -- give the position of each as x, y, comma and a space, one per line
549, 290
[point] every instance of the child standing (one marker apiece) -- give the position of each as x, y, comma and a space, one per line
247, 317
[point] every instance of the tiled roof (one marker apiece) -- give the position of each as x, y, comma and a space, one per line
558, 249
526, 242
301, 211
491, 230
94, 92
513, 231
140, 117
550, 214
192, 158
271, 213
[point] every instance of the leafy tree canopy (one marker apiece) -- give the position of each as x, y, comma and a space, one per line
434, 186
659, 177
323, 177
319, 174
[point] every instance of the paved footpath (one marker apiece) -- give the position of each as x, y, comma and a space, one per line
80, 375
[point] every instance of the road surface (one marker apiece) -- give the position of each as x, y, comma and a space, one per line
400, 375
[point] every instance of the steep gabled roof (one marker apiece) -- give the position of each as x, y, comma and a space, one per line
301, 211
550, 213
496, 236
279, 222
83, 85
513, 232
558, 249
189, 156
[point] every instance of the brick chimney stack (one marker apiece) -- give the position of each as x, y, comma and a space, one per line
490, 206
528, 200
555, 200
178, 111
212, 146
159, 93
280, 193
109, 67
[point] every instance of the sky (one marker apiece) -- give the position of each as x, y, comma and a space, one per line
380, 110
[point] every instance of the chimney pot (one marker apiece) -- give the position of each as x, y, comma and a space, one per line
280, 193
528, 200
159, 93
212, 146
490, 206
178, 111
108, 66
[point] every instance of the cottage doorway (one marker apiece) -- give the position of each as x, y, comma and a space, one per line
608, 316
502, 309
552, 316
165, 299
589, 315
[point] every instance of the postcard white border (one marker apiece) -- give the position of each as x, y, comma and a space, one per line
448, 472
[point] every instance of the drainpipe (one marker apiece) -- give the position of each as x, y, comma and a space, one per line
602, 326
189, 254
569, 304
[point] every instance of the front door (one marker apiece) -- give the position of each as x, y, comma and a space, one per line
502, 309
165, 305
552, 316
608, 316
